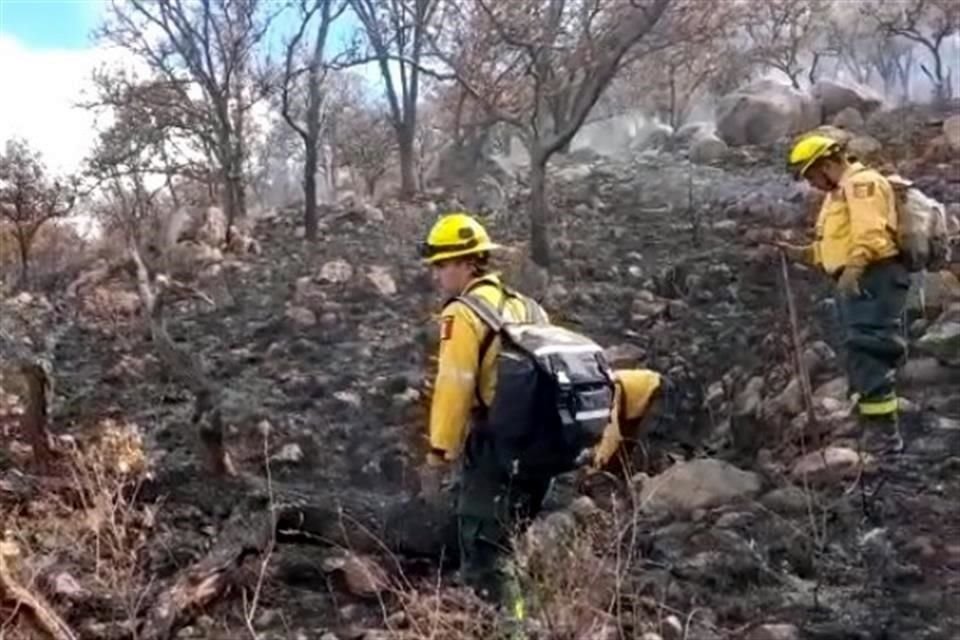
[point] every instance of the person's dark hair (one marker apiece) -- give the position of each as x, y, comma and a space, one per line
481, 263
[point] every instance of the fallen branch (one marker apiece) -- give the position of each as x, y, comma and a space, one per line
364, 522
44, 617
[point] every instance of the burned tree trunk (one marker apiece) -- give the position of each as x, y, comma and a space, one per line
36, 385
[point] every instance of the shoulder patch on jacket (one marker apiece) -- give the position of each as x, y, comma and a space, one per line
863, 189
446, 327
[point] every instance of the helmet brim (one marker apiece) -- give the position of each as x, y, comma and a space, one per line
450, 255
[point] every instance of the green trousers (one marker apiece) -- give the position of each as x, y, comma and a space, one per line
873, 340
491, 506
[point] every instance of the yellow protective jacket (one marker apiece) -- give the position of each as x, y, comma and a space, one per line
458, 375
633, 393
857, 222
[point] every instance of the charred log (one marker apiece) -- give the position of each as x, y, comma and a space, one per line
363, 522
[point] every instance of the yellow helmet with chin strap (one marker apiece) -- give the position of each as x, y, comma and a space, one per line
808, 150
456, 235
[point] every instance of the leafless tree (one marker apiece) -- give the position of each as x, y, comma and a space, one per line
783, 32
892, 58
674, 78
209, 46
541, 67
927, 23
365, 142
30, 198
302, 92
396, 34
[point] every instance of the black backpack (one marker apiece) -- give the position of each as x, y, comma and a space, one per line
554, 393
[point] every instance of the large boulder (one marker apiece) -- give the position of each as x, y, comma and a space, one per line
932, 292
765, 112
864, 148
826, 466
707, 149
698, 484
942, 340
849, 119
951, 132
834, 97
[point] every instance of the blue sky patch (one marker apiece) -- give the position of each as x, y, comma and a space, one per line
50, 24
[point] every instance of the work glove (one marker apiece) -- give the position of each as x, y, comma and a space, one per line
796, 253
849, 282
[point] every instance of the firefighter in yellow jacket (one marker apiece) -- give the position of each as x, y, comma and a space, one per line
639, 399
490, 503
855, 244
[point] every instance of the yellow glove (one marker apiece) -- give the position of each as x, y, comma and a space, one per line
849, 282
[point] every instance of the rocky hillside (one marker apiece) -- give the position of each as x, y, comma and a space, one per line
748, 521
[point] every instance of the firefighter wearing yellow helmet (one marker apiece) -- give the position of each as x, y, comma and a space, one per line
855, 244
489, 505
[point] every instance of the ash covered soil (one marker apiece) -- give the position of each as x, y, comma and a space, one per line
746, 522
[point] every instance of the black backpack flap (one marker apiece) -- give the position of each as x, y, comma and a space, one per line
516, 409
554, 396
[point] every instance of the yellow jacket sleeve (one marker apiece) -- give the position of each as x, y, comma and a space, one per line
867, 201
632, 395
454, 389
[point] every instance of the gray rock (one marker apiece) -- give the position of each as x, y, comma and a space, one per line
931, 293
774, 632
951, 131
698, 484
850, 119
835, 97
942, 339
624, 356
765, 112
336, 272
291, 453
786, 500
829, 465
708, 149
382, 280
749, 400
863, 147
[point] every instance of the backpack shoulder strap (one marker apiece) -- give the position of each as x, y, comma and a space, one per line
489, 315
494, 321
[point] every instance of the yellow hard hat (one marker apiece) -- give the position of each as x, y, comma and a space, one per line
456, 235
808, 150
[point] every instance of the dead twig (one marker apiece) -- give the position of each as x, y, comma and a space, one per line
44, 616
250, 609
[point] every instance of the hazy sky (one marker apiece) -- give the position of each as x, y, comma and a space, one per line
47, 54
